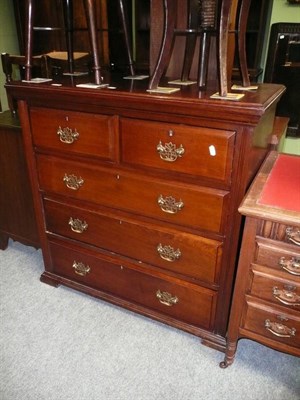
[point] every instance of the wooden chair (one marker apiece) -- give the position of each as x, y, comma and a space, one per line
42, 66
68, 20
206, 18
39, 63
90, 11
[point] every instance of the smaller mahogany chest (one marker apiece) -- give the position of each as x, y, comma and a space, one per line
266, 302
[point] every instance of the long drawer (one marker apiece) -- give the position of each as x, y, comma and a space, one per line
185, 302
182, 204
173, 250
75, 132
272, 322
204, 152
275, 287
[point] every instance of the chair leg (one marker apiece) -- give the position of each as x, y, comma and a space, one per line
30, 5
90, 10
203, 59
208, 13
46, 66
6, 66
191, 39
68, 21
241, 41
222, 46
170, 12
124, 20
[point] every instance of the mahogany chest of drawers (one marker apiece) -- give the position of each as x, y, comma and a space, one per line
266, 301
136, 194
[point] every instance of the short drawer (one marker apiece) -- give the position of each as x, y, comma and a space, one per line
197, 151
185, 302
75, 132
278, 255
272, 322
175, 251
275, 287
176, 203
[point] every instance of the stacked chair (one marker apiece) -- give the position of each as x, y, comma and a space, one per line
205, 19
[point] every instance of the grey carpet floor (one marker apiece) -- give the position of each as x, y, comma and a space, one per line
58, 344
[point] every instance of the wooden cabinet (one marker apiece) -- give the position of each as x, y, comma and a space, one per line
266, 302
17, 218
136, 194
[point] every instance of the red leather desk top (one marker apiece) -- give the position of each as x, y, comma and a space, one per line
282, 188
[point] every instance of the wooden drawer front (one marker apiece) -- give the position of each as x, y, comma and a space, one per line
281, 256
272, 322
198, 206
175, 251
75, 132
197, 151
185, 302
276, 288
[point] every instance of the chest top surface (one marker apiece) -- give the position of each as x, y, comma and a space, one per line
125, 94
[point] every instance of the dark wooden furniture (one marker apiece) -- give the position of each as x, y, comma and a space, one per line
212, 19
17, 218
50, 27
9, 62
266, 301
110, 33
61, 25
283, 66
90, 12
136, 195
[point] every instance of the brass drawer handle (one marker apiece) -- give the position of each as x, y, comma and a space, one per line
169, 152
279, 329
73, 182
66, 135
293, 235
287, 296
81, 269
169, 204
77, 225
168, 253
292, 266
166, 298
